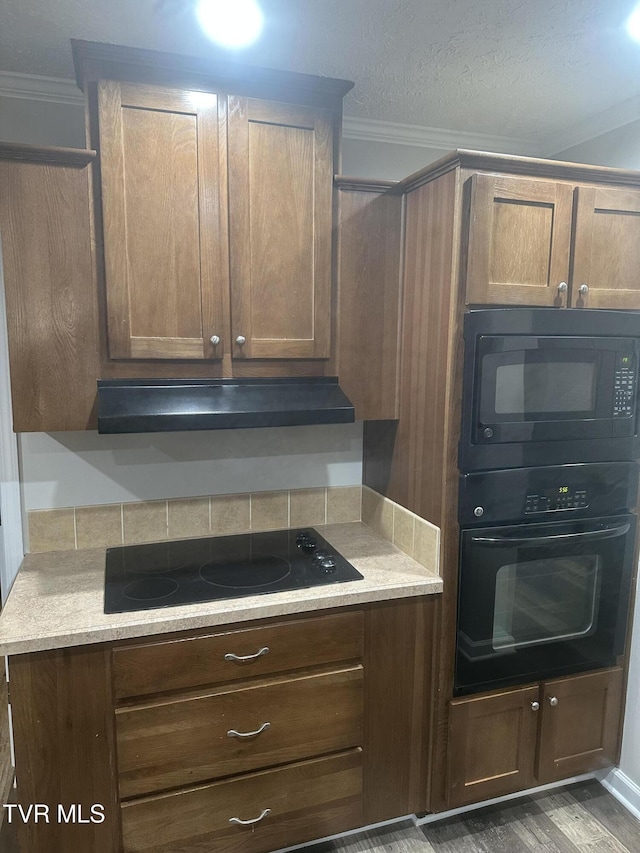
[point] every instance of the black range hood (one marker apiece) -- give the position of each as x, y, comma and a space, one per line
164, 405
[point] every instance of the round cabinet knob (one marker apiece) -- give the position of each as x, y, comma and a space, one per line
583, 289
562, 287
553, 701
240, 340
478, 511
535, 706
215, 340
488, 432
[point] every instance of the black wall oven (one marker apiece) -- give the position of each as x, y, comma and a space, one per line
548, 386
546, 591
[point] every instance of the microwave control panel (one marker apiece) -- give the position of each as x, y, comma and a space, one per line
624, 387
556, 499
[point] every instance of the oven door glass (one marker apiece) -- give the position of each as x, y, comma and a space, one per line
546, 601
536, 600
547, 389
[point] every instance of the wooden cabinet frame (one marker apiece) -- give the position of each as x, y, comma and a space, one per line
64, 708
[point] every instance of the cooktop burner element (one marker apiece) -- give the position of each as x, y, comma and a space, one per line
166, 574
261, 571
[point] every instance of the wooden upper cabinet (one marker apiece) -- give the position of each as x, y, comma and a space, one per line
164, 216
519, 241
606, 270
580, 724
280, 209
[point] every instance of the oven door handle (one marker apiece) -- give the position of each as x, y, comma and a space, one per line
611, 533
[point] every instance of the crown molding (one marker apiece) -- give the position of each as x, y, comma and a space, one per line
596, 125
445, 139
31, 87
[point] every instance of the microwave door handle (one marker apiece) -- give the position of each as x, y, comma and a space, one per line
558, 537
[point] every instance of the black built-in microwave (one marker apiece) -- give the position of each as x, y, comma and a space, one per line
549, 386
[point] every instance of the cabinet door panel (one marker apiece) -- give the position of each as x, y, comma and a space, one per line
519, 241
163, 226
280, 189
492, 744
580, 732
607, 248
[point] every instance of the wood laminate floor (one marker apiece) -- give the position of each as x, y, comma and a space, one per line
580, 818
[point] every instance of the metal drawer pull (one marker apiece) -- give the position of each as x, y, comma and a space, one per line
239, 822
263, 728
263, 651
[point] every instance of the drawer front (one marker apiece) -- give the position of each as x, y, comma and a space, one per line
169, 744
190, 663
308, 800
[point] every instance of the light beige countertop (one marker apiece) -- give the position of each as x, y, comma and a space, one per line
57, 598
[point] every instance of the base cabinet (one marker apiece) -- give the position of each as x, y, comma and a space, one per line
510, 740
253, 737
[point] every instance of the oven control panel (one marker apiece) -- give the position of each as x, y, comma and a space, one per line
624, 387
556, 499
550, 492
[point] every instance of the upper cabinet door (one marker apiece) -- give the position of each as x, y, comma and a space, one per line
606, 271
519, 241
280, 208
164, 211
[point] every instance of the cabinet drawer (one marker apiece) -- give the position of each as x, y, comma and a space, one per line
192, 662
308, 800
185, 741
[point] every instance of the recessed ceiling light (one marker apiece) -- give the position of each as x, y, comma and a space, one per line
230, 23
633, 24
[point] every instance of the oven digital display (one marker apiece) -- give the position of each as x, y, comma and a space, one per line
556, 498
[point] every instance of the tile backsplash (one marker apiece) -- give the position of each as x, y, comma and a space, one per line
178, 518
148, 521
415, 536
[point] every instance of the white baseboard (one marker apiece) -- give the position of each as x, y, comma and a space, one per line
623, 789
432, 818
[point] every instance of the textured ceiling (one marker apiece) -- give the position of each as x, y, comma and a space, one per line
523, 68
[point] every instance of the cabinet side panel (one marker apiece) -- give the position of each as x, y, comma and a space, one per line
399, 643
6, 767
63, 732
369, 301
418, 465
51, 302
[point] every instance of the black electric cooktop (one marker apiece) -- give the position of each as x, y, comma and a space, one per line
166, 574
